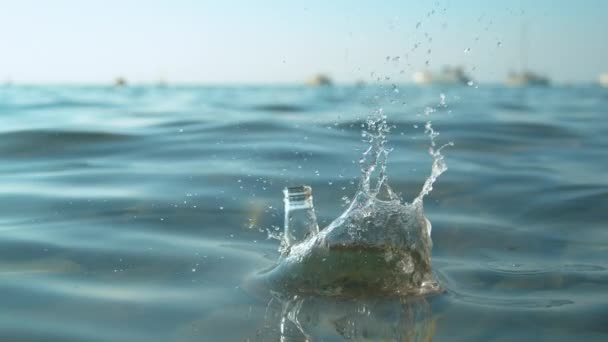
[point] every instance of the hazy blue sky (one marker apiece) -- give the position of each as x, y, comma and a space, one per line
287, 41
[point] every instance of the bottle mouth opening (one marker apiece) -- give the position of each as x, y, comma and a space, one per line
298, 193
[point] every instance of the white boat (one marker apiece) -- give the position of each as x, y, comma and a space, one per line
526, 78
447, 76
120, 82
603, 80
319, 80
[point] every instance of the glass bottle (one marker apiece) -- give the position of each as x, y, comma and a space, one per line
300, 218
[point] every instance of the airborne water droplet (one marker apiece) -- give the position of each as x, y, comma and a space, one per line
418, 25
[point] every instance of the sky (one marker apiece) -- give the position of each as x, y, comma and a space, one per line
246, 41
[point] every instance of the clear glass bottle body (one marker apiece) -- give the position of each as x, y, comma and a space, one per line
300, 217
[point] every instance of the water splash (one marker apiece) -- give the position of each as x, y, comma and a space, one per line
438, 167
378, 245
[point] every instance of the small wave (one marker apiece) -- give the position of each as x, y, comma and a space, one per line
58, 135
577, 204
30, 143
60, 104
280, 108
527, 303
514, 106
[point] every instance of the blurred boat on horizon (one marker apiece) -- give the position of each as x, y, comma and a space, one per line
449, 75
603, 80
319, 80
526, 78
120, 82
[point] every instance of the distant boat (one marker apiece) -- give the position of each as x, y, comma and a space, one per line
320, 80
120, 82
526, 78
448, 76
603, 80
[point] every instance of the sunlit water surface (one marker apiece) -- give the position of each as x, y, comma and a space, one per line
137, 214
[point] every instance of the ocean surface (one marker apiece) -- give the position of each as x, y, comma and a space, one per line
139, 213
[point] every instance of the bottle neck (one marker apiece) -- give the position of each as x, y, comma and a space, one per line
300, 217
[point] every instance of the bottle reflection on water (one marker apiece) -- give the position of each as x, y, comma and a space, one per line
308, 319
300, 218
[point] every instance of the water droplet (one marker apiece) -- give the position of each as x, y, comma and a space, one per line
418, 25
470, 83
194, 270
467, 50
221, 208
498, 44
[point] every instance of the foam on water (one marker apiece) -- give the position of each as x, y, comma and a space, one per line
379, 245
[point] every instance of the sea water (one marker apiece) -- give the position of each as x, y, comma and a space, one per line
137, 214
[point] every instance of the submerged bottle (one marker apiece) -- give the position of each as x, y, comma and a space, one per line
300, 218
